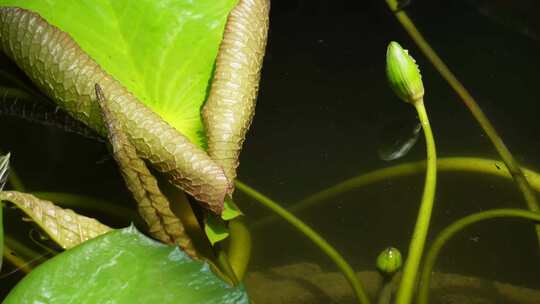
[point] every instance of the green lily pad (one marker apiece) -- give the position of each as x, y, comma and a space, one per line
163, 51
124, 266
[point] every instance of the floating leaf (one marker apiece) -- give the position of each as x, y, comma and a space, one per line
63, 226
124, 266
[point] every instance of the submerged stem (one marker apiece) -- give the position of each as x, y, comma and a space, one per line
15, 260
347, 270
239, 250
457, 164
21, 256
15, 181
455, 227
223, 262
416, 247
511, 163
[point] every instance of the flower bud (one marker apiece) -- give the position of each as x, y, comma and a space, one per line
403, 74
389, 261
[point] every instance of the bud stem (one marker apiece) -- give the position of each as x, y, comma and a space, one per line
416, 247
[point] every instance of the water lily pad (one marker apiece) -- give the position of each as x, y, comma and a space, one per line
124, 266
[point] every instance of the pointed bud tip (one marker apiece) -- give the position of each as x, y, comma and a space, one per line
403, 73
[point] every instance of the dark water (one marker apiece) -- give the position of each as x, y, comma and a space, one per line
323, 98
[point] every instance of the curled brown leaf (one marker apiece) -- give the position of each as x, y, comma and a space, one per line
152, 204
56, 63
63, 226
230, 107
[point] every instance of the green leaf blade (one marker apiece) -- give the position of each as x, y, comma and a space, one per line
124, 266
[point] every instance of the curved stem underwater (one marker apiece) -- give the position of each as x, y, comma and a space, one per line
447, 164
347, 270
457, 226
239, 250
511, 163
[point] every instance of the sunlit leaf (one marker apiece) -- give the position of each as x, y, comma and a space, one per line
163, 51
124, 266
57, 65
63, 226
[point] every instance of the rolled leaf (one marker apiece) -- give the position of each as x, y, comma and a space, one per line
152, 204
229, 109
63, 226
162, 51
56, 63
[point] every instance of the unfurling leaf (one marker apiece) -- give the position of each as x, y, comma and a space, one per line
230, 210
152, 204
229, 109
65, 72
215, 229
63, 226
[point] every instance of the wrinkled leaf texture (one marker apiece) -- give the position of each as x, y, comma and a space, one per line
163, 51
63, 226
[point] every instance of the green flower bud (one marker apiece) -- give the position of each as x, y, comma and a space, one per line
403, 74
389, 261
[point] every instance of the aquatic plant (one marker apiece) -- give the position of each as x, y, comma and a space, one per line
510, 162
175, 125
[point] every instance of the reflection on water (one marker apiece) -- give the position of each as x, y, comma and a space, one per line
323, 97
397, 137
